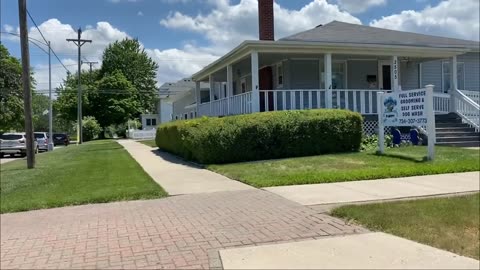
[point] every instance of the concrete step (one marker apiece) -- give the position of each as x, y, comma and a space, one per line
460, 144
456, 134
441, 124
459, 139
455, 129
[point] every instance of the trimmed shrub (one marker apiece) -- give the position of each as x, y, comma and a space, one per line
258, 136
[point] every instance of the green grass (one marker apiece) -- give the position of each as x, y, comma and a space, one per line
397, 162
447, 223
150, 143
95, 172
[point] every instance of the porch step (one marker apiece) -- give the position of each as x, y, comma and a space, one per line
450, 131
468, 138
447, 134
460, 144
454, 129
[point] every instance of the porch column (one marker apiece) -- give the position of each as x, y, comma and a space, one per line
212, 85
198, 97
453, 73
395, 73
229, 87
255, 83
453, 82
328, 79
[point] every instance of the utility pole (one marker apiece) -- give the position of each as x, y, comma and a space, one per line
90, 64
79, 42
50, 102
27, 94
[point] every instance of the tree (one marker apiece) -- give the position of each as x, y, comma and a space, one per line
67, 99
40, 112
131, 59
90, 128
114, 101
11, 95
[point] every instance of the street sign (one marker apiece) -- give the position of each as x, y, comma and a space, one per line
407, 108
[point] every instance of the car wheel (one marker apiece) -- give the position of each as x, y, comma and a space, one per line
1, 155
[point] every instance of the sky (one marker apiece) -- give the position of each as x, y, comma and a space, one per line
183, 36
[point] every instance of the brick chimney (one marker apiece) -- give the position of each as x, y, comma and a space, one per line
265, 20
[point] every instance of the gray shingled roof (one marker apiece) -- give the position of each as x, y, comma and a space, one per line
340, 32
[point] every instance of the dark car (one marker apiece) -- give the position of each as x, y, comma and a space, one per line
61, 139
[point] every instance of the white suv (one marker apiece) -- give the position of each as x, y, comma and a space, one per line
14, 143
42, 140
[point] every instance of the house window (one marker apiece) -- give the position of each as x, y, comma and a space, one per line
338, 75
176, 117
154, 122
446, 76
149, 122
185, 116
279, 75
243, 83
191, 115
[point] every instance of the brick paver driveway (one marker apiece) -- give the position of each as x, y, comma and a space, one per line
177, 232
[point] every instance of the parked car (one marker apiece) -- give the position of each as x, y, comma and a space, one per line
61, 139
14, 143
42, 140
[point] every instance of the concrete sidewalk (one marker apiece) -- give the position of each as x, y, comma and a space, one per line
360, 251
177, 176
377, 190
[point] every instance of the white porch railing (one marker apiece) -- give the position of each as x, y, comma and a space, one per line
142, 134
219, 107
468, 109
203, 109
473, 95
241, 104
281, 100
441, 102
363, 101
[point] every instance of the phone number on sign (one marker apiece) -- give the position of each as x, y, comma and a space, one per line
413, 121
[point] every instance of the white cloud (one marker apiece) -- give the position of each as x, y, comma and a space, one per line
56, 32
355, 6
452, 18
227, 25
139, 13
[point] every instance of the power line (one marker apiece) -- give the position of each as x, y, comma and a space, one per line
46, 42
30, 16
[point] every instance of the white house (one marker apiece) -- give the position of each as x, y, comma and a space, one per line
339, 65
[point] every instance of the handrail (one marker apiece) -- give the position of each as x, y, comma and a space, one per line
467, 109
467, 99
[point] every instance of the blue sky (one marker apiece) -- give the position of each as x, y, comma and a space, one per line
184, 35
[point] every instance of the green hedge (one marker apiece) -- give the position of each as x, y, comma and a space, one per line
258, 136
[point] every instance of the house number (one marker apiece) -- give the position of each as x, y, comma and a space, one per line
395, 69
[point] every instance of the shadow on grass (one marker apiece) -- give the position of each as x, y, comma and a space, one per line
402, 157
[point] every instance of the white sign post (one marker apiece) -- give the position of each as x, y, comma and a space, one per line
407, 108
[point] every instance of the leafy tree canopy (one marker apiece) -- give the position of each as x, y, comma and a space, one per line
11, 95
130, 58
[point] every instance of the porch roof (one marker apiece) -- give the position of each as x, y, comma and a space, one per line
339, 42
340, 32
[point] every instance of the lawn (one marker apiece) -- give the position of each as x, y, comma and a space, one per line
397, 162
95, 172
150, 143
447, 223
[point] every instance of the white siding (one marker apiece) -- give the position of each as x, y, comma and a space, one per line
357, 72
409, 75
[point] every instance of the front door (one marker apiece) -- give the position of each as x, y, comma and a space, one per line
385, 75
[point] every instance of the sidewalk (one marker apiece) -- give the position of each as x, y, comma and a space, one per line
378, 190
177, 176
359, 251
